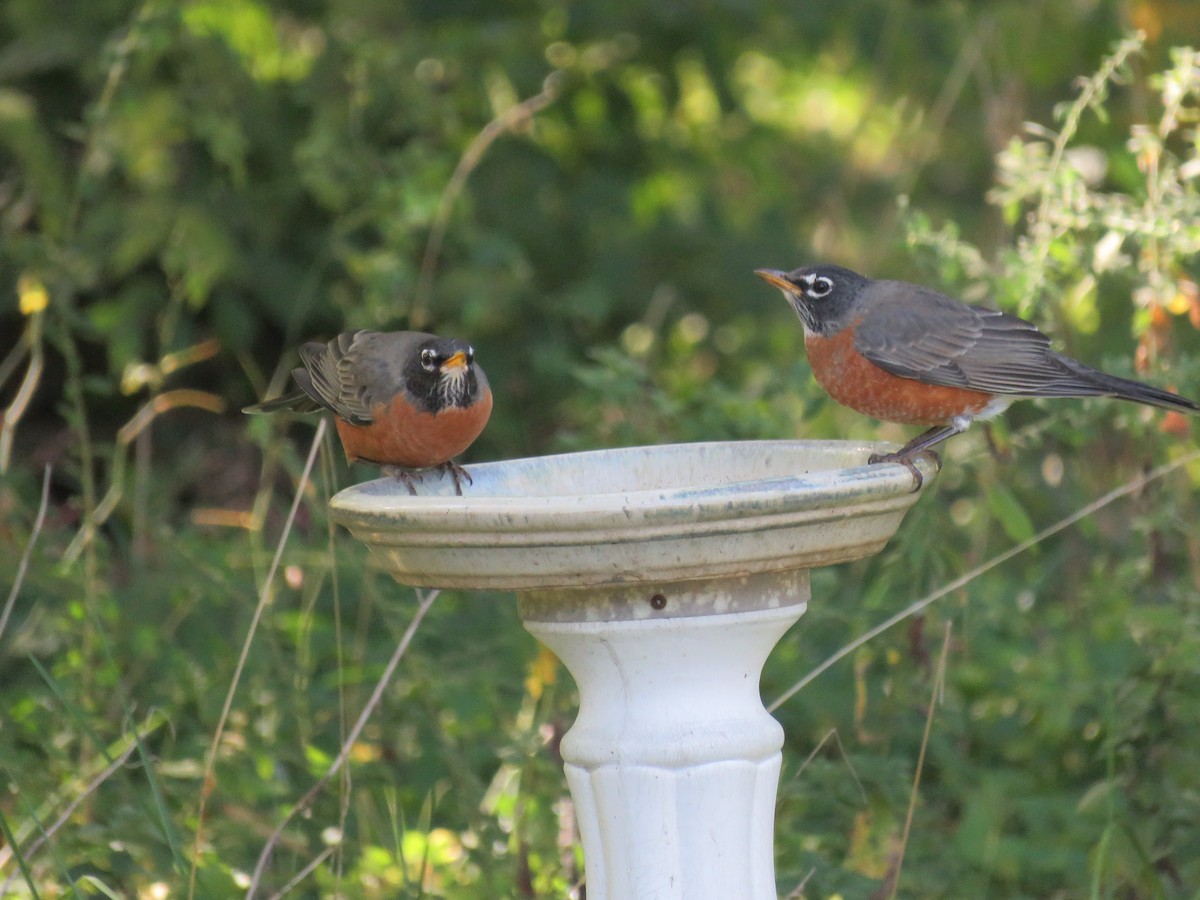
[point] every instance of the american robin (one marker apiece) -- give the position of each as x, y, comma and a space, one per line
403, 400
904, 353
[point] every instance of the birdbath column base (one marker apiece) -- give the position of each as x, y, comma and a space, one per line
630, 564
673, 762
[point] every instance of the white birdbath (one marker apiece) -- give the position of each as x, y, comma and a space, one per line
662, 577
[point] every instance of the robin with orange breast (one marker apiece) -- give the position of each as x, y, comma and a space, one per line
904, 353
404, 400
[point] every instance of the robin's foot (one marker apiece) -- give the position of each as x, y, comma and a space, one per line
458, 473
906, 460
402, 474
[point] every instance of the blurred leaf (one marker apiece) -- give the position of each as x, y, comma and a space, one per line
199, 252
1009, 513
40, 166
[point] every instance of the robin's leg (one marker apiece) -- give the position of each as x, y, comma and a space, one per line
458, 473
918, 445
401, 474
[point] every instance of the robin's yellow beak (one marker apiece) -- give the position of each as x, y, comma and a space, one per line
457, 361
776, 278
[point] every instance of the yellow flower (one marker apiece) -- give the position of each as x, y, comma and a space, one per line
32, 294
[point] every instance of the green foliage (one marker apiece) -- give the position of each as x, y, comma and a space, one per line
186, 189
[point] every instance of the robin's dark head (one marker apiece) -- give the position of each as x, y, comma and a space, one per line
443, 372
822, 296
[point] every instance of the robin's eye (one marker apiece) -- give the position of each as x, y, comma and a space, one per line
820, 286
429, 359
470, 355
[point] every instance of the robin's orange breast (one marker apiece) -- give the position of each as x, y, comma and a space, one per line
403, 436
854, 381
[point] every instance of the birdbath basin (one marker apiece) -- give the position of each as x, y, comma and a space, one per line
661, 577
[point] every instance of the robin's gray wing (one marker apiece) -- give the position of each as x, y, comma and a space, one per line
357, 371
918, 333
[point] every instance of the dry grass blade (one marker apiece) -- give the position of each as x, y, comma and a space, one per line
69, 811
833, 733
264, 593
1130, 487
304, 802
161, 403
798, 892
939, 683
305, 872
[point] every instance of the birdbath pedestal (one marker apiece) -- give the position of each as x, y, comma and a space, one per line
661, 577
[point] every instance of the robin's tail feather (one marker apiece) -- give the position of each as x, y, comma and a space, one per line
298, 402
1135, 391
1139, 392
306, 400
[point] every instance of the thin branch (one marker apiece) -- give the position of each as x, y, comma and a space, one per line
1130, 487
33, 536
165, 402
15, 355
210, 763
1091, 92
425, 602
510, 118
20, 402
933, 128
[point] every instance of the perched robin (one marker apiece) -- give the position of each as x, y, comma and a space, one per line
905, 353
403, 400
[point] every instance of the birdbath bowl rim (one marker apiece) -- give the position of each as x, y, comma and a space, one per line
635, 515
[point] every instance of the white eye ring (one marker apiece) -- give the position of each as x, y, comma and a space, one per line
820, 286
428, 359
